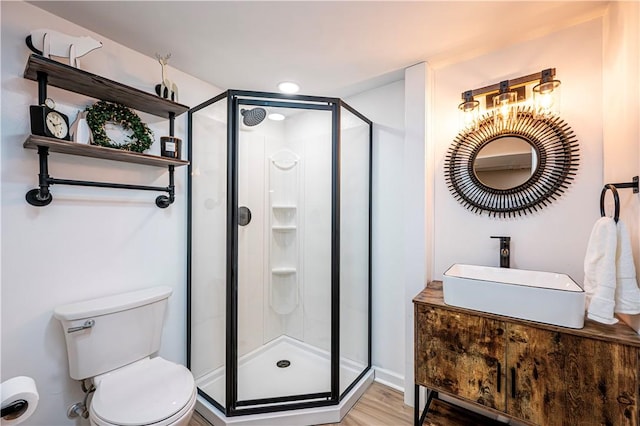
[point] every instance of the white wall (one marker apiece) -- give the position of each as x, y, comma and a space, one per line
555, 238
622, 113
88, 242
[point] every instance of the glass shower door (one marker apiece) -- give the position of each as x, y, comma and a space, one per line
284, 187
208, 247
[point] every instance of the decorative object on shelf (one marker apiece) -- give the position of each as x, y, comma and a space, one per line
170, 146
46, 121
552, 157
80, 131
103, 112
167, 89
49, 43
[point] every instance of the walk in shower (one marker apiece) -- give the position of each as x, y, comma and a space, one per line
279, 251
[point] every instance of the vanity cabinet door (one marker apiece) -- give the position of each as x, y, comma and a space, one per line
561, 379
460, 354
601, 382
535, 375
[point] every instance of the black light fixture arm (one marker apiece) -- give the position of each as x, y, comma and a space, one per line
633, 184
616, 198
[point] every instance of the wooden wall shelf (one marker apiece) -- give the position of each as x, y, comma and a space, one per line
85, 83
48, 72
73, 148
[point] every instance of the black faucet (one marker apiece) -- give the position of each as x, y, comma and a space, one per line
505, 251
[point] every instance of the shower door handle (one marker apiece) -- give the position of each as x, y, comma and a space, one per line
244, 216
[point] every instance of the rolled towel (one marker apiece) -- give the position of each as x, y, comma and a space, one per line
627, 291
600, 271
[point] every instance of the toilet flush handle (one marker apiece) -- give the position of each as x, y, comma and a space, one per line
87, 324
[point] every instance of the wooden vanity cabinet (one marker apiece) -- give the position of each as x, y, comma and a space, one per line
540, 374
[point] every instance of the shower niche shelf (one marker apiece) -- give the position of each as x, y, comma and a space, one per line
283, 271
283, 228
284, 170
48, 72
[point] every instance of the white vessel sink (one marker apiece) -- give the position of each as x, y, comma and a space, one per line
531, 295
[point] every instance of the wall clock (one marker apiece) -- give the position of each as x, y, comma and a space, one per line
46, 121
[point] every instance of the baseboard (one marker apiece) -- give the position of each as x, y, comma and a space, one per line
389, 378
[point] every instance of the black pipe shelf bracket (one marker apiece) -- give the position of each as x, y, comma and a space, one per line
613, 187
49, 72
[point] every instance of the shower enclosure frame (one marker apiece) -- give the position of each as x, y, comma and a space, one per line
236, 98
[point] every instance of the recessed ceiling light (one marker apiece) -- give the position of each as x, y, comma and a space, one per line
288, 87
276, 116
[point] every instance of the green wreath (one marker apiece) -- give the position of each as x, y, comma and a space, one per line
102, 112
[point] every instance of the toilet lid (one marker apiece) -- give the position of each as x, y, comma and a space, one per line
143, 394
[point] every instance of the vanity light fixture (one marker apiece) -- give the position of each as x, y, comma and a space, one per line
276, 116
502, 100
546, 94
469, 111
288, 87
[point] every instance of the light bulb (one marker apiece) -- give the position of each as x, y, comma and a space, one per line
546, 98
468, 112
504, 109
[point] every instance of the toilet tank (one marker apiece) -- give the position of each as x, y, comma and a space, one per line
109, 332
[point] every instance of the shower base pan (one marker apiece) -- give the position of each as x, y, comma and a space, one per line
260, 377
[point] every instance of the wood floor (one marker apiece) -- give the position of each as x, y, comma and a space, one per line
379, 406
383, 406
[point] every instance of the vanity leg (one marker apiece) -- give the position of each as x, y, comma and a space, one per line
416, 405
418, 419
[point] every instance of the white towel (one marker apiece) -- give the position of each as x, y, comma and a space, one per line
600, 271
627, 291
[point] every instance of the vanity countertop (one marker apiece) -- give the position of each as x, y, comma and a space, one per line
620, 333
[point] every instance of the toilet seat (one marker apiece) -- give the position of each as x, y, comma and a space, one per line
147, 392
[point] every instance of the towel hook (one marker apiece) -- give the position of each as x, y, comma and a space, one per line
616, 198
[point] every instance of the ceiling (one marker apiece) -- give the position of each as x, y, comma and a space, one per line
330, 48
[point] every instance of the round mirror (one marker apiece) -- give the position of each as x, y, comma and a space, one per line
505, 162
513, 169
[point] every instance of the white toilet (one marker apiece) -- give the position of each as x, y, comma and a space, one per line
110, 340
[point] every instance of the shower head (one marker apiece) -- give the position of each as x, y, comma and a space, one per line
253, 117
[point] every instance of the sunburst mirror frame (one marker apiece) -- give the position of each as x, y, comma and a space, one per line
557, 152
